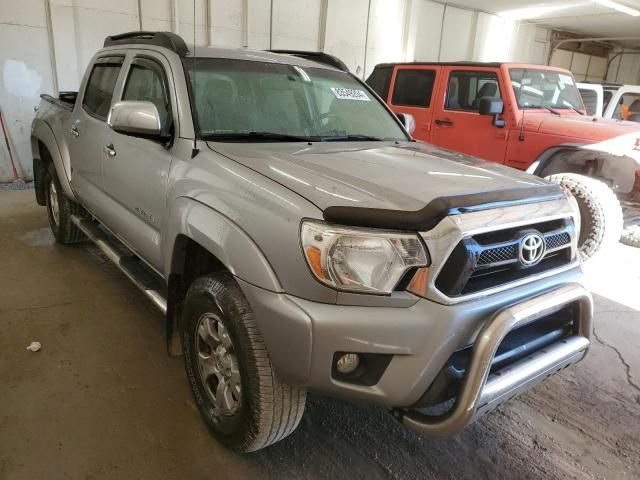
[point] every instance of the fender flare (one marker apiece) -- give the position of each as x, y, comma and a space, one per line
540, 163
42, 132
619, 171
221, 237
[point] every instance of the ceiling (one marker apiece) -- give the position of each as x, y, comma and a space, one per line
580, 16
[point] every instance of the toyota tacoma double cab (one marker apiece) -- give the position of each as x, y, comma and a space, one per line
296, 238
530, 117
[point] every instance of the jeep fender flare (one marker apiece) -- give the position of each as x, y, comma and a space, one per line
41, 132
222, 238
617, 170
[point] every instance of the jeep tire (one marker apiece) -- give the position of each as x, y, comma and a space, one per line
240, 397
600, 212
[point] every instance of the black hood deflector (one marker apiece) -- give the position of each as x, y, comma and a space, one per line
439, 208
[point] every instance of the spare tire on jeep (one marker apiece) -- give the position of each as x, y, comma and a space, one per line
600, 212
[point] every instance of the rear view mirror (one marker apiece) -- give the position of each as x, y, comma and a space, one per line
493, 107
408, 121
136, 118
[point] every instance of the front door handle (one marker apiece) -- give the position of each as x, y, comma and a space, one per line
444, 122
109, 150
74, 131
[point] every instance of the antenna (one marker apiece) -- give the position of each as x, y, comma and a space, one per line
524, 110
194, 150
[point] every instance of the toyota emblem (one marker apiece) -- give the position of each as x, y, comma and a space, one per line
532, 249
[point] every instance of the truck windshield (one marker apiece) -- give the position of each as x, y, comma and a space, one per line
238, 100
544, 89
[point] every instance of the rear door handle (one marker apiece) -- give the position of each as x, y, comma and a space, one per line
109, 150
445, 122
74, 131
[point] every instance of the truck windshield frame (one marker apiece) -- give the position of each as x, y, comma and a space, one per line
543, 88
253, 101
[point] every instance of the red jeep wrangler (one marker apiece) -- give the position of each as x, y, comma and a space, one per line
529, 117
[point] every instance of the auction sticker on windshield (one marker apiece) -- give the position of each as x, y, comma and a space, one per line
350, 94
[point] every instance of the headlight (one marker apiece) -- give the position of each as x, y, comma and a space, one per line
360, 260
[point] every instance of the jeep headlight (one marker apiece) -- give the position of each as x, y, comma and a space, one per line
360, 260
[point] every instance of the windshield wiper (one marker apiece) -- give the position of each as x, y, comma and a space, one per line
352, 138
255, 136
576, 110
552, 110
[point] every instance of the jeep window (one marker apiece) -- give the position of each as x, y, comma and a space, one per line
380, 80
413, 88
544, 89
99, 91
239, 100
465, 89
147, 82
590, 100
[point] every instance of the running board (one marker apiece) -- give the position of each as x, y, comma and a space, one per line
142, 277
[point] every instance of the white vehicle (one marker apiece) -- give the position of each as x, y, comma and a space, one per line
620, 102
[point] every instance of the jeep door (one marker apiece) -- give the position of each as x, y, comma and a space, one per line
412, 91
89, 130
136, 169
457, 123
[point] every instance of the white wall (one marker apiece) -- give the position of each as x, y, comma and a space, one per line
360, 32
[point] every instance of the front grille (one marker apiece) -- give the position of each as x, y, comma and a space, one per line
487, 260
497, 255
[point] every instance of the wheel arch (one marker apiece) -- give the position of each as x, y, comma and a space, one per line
205, 241
618, 172
44, 148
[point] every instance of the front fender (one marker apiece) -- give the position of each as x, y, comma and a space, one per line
222, 238
41, 131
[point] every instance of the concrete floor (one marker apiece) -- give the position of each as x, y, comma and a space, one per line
102, 399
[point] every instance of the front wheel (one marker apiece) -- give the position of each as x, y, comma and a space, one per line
600, 212
239, 395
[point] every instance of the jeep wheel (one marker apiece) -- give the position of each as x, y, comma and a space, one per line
631, 236
600, 212
60, 209
239, 396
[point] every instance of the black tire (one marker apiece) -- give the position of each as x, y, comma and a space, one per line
64, 230
631, 236
600, 212
267, 409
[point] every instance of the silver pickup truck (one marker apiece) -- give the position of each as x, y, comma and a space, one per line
297, 238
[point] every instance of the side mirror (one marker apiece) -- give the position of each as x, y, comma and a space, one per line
408, 121
135, 118
490, 106
493, 107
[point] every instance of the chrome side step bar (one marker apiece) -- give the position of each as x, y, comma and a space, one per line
481, 391
141, 276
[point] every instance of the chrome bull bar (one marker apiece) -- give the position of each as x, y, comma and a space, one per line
480, 393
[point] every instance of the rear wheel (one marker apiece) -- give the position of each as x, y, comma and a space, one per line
600, 212
60, 209
239, 396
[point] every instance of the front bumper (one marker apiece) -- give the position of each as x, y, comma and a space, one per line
481, 392
302, 337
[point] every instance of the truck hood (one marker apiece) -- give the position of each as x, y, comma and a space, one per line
578, 127
380, 175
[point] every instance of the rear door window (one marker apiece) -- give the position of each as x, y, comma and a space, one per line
413, 88
465, 89
100, 86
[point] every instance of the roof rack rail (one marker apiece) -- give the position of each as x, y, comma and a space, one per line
319, 57
168, 40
